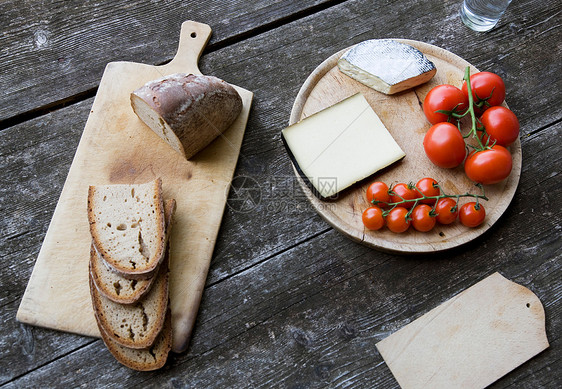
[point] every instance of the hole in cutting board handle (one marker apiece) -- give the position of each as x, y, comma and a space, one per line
193, 34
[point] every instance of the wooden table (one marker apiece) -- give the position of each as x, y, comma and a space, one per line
289, 302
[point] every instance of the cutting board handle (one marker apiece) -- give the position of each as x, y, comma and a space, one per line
193, 39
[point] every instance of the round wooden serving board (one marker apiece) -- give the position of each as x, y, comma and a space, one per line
403, 116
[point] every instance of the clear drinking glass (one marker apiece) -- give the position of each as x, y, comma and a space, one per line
482, 15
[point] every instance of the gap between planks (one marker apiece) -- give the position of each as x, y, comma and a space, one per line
212, 47
16, 378
268, 257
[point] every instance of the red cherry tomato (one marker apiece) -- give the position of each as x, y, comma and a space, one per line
488, 89
403, 191
423, 219
489, 166
396, 220
428, 187
444, 97
444, 145
446, 210
372, 218
472, 214
378, 191
501, 125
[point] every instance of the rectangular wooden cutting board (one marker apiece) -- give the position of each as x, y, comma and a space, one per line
117, 148
470, 340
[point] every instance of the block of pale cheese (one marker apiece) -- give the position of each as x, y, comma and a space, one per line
386, 65
340, 145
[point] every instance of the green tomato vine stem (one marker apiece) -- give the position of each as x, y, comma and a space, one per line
471, 110
415, 202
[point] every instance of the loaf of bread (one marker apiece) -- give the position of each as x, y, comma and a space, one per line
188, 111
134, 325
114, 285
127, 225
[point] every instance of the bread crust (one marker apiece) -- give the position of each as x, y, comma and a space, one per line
114, 285
148, 351
142, 271
108, 289
148, 359
196, 108
121, 331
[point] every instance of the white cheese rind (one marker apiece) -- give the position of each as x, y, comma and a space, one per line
341, 145
386, 65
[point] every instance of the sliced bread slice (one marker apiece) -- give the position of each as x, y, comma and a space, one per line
134, 325
114, 285
151, 358
127, 225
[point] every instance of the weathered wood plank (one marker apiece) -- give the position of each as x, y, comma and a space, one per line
368, 295
282, 305
311, 316
290, 303
40, 164
523, 50
34, 169
284, 55
53, 51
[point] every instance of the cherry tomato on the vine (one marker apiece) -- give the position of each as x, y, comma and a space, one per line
472, 214
423, 219
444, 145
486, 87
444, 97
372, 218
403, 191
489, 166
446, 210
501, 125
428, 187
396, 220
378, 191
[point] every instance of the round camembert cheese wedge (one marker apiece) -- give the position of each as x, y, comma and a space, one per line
386, 65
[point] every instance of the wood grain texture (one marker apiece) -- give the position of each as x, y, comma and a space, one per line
288, 301
403, 116
29, 207
469, 341
53, 53
59, 299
